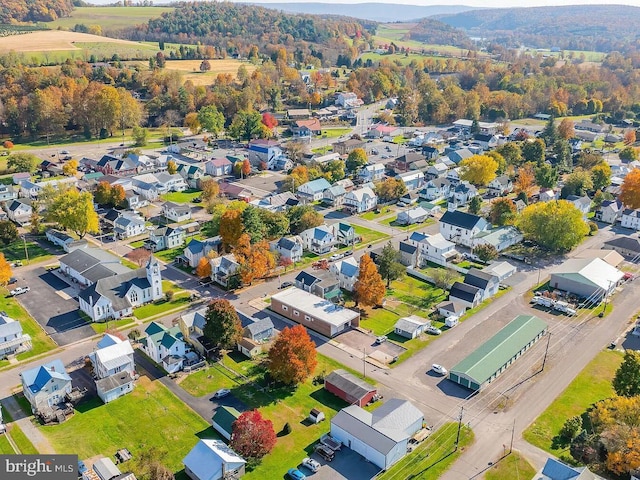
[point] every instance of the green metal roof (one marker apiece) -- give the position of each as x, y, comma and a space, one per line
225, 416
489, 357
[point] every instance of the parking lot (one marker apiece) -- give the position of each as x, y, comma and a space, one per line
366, 343
54, 305
347, 465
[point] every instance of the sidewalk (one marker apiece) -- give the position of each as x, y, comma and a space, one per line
39, 441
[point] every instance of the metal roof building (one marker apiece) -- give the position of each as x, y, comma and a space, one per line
494, 356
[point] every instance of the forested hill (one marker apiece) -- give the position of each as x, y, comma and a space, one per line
579, 27
432, 31
236, 27
12, 11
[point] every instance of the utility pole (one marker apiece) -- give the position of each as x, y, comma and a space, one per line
544, 360
26, 252
459, 427
513, 432
364, 362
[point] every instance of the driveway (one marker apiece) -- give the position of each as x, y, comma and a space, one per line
346, 465
54, 305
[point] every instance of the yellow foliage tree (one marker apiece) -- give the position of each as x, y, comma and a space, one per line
5, 270
525, 181
479, 169
630, 189
369, 287
172, 167
70, 168
203, 270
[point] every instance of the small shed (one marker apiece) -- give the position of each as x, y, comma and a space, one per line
106, 469
316, 416
411, 327
349, 387
223, 420
248, 347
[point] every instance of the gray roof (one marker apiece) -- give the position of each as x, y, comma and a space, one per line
410, 324
9, 326
260, 326
480, 279
196, 319
115, 288
93, 263
113, 381
407, 248
463, 220
106, 469
349, 383
627, 243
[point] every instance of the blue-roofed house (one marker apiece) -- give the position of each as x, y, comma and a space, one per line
259, 331
318, 239
345, 234
46, 386
12, 339
408, 254
346, 271
289, 248
198, 249
223, 268
314, 190
334, 196
557, 470
165, 346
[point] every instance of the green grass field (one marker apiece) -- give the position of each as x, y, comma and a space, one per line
182, 197
368, 235
98, 429
383, 212
335, 132
16, 251
511, 467
5, 446
109, 18
179, 301
591, 385
111, 325
19, 438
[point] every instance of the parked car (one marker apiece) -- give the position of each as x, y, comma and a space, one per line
433, 330
311, 464
325, 452
13, 280
295, 474
19, 291
223, 392
64, 152
286, 285
348, 253
15, 264
381, 339
335, 257
439, 369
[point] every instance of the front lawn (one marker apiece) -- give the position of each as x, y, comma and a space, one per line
335, 132
101, 327
19, 438
510, 467
171, 254
151, 416
40, 342
182, 197
16, 251
179, 301
368, 235
590, 386
374, 214
391, 222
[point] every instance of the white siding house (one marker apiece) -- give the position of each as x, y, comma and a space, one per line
361, 200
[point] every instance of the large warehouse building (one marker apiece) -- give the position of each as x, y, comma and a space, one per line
586, 277
494, 356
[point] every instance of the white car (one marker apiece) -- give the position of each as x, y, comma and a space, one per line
439, 369
19, 291
433, 330
223, 392
381, 339
311, 464
335, 257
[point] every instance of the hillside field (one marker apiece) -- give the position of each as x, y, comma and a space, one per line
109, 18
191, 69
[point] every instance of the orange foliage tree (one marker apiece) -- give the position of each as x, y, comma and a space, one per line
5, 270
230, 228
369, 287
203, 270
139, 255
292, 358
525, 181
630, 189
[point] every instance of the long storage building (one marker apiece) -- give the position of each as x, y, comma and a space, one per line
493, 357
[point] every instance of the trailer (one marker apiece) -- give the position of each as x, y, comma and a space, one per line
543, 301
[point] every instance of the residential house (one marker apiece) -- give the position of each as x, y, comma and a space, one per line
429, 152
436, 170
46, 386
276, 202
408, 199
548, 195
462, 193
19, 177
630, 219
334, 196
319, 240
313, 191
581, 203
361, 200
456, 156
196, 249
413, 180
346, 270
345, 234
218, 167
19, 211
453, 175
12, 338
30, 190
589, 126
500, 238
382, 131
372, 173
264, 151
165, 346
486, 141
7, 193
412, 216
128, 225
433, 248
410, 327
160, 183
213, 460
60, 239
329, 157
408, 254
591, 278
520, 205
315, 313
86, 266
461, 227
380, 436
609, 211
466, 295
485, 281
451, 308
500, 186
556, 470
348, 100
191, 173
289, 248
260, 331
435, 189
404, 162
320, 283
349, 388
223, 420
304, 130
115, 296
628, 247
347, 146
501, 270
164, 238
176, 212
113, 367
110, 165
224, 268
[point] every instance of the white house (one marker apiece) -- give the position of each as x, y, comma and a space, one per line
165, 346
19, 211
164, 238
346, 271
348, 100
314, 190
500, 238
113, 367
223, 268
198, 249
361, 200
218, 167
461, 228
630, 219
581, 203
381, 436
12, 339
412, 216
487, 282
290, 248
462, 193
435, 189
213, 460
410, 327
46, 386
433, 248
436, 170
116, 296
372, 173
412, 180
318, 239
334, 196
86, 266
609, 211
128, 225
176, 212
500, 186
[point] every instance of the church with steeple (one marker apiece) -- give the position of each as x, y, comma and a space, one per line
116, 296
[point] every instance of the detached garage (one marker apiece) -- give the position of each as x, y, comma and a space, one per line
495, 355
586, 277
349, 388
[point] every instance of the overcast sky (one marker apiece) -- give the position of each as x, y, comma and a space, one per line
472, 3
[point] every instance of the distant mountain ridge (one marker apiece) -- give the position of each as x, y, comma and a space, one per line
378, 12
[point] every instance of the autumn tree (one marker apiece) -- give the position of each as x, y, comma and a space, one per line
246, 125
511, 152
534, 151
557, 226
292, 357
629, 137
269, 121
630, 189
118, 196
222, 324
566, 129
139, 255
70, 168
246, 167
369, 289
299, 176
628, 154
601, 176
357, 158
210, 190
231, 228
205, 66
478, 169
546, 175
102, 193
74, 211
503, 211
486, 252
389, 265
303, 217
626, 381
390, 189
587, 160
577, 183
172, 167
23, 162
295, 150
203, 270
443, 278
252, 436
8, 232
5, 270
525, 180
